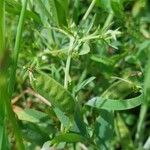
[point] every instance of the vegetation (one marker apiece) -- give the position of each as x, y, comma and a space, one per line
74, 74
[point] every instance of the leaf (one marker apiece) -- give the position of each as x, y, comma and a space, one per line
76, 10
64, 5
117, 8
30, 115
104, 4
104, 126
147, 82
120, 89
83, 84
48, 10
102, 59
63, 118
1, 135
111, 104
138, 5
3, 98
147, 145
46, 146
85, 49
62, 54
53, 91
68, 137
15, 7
53, 12
36, 133
124, 133
3, 138
78, 117
62, 11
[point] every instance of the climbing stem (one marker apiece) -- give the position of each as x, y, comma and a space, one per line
89, 10
68, 62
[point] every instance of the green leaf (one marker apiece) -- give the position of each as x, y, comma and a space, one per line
1, 135
62, 11
83, 84
64, 4
47, 11
68, 137
46, 146
120, 89
30, 115
15, 8
85, 49
62, 54
147, 82
111, 104
78, 117
36, 133
63, 118
53, 12
53, 91
124, 133
104, 125
117, 8
102, 59
56, 11
3, 138
76, 10
104, 4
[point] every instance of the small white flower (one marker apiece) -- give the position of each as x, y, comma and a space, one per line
113, 33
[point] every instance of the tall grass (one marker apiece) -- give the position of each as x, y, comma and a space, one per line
6, 112
3, 90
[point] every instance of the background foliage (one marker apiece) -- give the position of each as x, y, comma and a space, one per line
69, 55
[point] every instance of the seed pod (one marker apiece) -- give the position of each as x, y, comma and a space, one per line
53, 91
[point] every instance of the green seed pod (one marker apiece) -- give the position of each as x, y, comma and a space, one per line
53, 91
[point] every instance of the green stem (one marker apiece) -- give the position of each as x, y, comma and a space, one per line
140, 126
108, 21
67, 68
90, 37
145, 106
15, 54
2, 28
68, 62
16, 49
89, 10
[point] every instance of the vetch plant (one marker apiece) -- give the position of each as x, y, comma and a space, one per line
76, 77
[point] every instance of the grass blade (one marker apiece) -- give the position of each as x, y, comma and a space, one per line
15, 54
17, 49
145, 106
3, 83
2, 10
